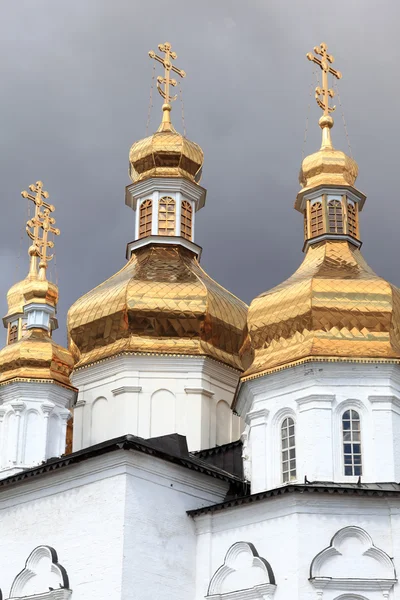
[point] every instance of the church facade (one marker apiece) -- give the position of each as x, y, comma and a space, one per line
185, 445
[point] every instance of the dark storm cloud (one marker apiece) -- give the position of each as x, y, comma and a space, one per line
75, 80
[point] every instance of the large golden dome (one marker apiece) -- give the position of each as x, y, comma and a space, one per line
166, 153
161, 302
36, 356
333, 307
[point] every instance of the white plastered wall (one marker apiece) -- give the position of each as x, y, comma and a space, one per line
149, 396
315, 395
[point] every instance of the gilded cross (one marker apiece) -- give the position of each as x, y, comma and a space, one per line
40, 222
167, 81
323, 94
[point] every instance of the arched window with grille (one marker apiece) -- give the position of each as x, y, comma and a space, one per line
288, 450
166, 216
146, 212
351, 428
352, 219
335, 216
317, 219
186, 220
13, 334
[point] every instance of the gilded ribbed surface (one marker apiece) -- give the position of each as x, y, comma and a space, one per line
328, 167
30, 290
165, 154
160, 302
333, 306
36, 356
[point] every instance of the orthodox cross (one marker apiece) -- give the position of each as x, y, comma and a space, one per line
40, 222
167, 81
323, 94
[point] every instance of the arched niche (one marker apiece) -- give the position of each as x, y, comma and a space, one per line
224, 423
162, 413
98, 420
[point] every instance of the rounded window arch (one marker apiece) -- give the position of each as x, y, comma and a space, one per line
166, 216
186, 220
145, 219
335, 216
351, 439
288, 450
317, 219
13, 333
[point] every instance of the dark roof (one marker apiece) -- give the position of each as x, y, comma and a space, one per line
321, 487
227, 457
171, 448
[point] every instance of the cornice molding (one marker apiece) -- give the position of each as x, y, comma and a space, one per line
199, 390
316, 401
127, 389
190, 190
164, 240
257, 417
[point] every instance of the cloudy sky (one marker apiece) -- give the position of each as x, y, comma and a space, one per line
76, 79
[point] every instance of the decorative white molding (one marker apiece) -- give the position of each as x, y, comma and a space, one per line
385, 403
42, 575
365, 577
257, 417
60, 594
320, 401
127, 389
189, 190
244, 575
163, 240
199, 390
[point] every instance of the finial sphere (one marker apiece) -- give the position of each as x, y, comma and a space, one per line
326, 121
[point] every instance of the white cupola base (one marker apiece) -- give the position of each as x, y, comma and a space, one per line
322, 421
151, 396
33, 421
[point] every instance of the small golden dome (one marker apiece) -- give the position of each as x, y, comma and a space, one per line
28, 290
161, 302
166, 153
334, 307
36, 356
327, 166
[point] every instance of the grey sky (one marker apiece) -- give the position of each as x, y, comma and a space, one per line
76, 78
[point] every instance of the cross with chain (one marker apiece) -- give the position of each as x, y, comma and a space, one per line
323, 94
41, 221
167, 81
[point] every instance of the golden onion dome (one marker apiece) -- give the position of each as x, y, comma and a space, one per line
333, 307
327, 166
161, 302
166, 153
36, 356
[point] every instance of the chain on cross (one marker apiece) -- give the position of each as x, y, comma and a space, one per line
167, 81
322, 94
42, 223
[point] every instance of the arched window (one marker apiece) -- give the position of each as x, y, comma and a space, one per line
288, 450
352, 219
146, 211
166, 216
13, 334
335, 216
317, 221
186, 220
351, 427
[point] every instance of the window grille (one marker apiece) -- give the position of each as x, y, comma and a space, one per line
288, 450
335, 216
317, 220
352, 219
351, 426
166, 216
146, 211
186, 220
13, 334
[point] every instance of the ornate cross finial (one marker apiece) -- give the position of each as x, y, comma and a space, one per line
41, 222
323, 94
167, 81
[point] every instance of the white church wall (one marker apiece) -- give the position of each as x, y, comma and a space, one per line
106, 518
290, 531
316, 395
157, 395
